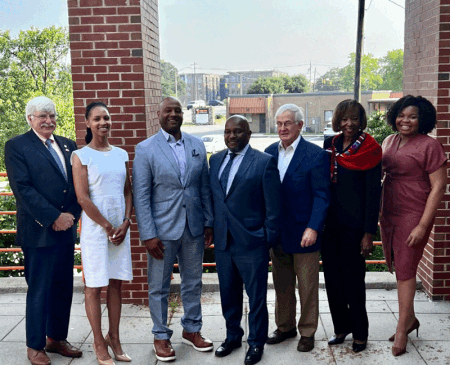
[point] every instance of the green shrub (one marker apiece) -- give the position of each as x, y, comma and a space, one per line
377, 126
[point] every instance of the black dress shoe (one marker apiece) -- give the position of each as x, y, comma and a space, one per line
254, 355
337, 340
358, 347
278, 336
227, 348
305, 344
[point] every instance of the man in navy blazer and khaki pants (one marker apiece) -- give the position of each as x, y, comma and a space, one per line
40, 175
305, 182
246, 195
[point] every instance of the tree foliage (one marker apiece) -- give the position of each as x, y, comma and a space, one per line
377, 126
168, 74
280, 85
32, 64
384, 73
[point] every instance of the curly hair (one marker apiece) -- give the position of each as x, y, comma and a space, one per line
427, 112
345, 107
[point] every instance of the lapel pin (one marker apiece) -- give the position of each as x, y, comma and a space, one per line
194, 153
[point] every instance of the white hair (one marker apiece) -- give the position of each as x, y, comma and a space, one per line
296, 110
39, 104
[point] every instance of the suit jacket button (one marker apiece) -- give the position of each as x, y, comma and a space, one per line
62, 206
64, 191
184, 205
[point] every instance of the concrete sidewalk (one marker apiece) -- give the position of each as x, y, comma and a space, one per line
431, 347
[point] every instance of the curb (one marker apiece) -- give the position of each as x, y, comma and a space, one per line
374, 280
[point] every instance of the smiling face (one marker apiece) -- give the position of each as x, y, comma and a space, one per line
99, 121
288, 130
170, 116
43, 122
407, 121
237, 134
350, 124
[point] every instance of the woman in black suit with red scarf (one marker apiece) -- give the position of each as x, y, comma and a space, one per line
351, 222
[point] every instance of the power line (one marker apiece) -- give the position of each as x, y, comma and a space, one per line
396, 4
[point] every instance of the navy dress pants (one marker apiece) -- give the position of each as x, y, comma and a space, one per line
238, 266
49, 275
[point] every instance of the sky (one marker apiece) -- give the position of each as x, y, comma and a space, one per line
236, 35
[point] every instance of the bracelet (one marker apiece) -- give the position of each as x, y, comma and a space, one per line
127, 219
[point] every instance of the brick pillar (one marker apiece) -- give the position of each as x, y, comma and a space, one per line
427, 73
115, 58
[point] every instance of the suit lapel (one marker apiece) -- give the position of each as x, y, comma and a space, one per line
299, 154
44, 151
215, 168
189, 156
243, 167
167, 151
65, 149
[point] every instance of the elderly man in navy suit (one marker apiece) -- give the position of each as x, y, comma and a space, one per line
40, 175
305, 182
246, 195
174, 214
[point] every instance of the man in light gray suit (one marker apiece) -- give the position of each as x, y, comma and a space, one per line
172, 198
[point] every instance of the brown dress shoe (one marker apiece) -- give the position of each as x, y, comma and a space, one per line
37, 357
164, 350
63, 348
197, 341
305, 344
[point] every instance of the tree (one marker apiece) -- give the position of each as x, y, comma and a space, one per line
330, 81
168, 74
370, 77
279, 85
34, 64
392, 70
377, 126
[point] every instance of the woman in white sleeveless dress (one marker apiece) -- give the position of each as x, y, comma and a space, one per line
103, 188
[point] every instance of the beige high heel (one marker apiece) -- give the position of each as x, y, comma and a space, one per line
110, 361
123, 357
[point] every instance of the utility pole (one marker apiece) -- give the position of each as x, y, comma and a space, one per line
176, 91
240, 82
195, 84
359, 39
310, 72
315, 69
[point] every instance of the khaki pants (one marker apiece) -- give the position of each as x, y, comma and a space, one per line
285, 269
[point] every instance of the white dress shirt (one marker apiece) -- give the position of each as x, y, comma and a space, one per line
285, 156
235, 165
178, 152
55, 147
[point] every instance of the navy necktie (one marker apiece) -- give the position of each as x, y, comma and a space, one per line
48, 142
226, 173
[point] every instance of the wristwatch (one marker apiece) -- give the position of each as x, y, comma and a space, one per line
127, 219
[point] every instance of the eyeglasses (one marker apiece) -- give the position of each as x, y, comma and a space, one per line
285, 124
43, 117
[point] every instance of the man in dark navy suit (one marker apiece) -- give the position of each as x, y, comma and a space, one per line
40, 175
246, 194
305, 182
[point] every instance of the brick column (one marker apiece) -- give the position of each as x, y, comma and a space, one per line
427, 72
115, 58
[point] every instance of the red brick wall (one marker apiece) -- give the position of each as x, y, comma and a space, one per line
115, 58
427, 73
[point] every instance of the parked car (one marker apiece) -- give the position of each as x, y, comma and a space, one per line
215, 102
195, 104
328, 131
214, 143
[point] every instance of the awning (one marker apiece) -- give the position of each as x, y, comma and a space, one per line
247, 106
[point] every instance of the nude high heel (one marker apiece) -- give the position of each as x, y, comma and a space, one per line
110, 361
414, 326
123, 357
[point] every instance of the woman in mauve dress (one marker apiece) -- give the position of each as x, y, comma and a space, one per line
415, 179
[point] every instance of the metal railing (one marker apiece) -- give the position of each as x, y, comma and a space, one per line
80, 267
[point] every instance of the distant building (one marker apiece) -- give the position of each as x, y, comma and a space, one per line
207, 86
238, 83
318, 107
